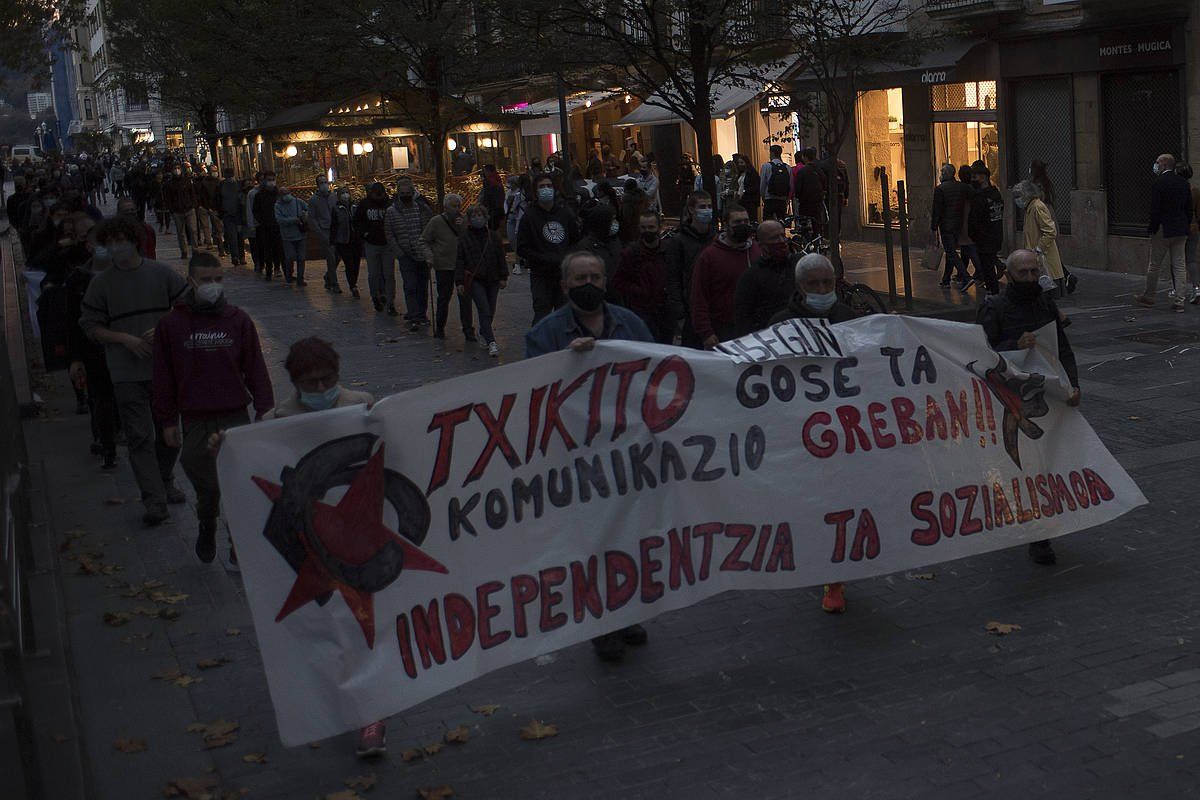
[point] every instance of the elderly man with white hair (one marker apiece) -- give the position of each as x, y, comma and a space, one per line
1171, 214
440, 237
816, 298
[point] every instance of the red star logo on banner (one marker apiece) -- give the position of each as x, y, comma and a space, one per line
352, 532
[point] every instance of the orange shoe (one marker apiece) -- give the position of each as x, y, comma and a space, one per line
834, 601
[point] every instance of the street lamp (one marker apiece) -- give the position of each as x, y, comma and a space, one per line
343, 149
451, 144
291, 151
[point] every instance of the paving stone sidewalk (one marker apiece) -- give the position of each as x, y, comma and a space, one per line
754, 694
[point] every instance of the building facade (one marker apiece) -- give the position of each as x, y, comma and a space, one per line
38, 102
1093, 89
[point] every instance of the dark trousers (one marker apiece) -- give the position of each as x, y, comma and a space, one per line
485, 294
348, 254
152, 461
200, 465
445, 290
775, 208
953, 260
270, 245
233, 237
255, 257
985, 270
415, 275
103, 408
546, 289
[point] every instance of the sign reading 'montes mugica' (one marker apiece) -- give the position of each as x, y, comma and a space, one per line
390, 555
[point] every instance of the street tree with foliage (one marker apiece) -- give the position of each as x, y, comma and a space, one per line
421, 56
839, 45
27, 27
241, 57
674, 54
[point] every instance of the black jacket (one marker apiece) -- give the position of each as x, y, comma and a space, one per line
264, 209
545, 237
480, 256
1005, 317
949, 199
369, 217
985, 221
681, 249
762, 292
809, 191
795, 309
1170, 205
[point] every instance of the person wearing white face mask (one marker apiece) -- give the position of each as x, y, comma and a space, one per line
207, 363
121, 306
816, 298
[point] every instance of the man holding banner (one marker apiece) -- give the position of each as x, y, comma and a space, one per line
577, 325
1011, 321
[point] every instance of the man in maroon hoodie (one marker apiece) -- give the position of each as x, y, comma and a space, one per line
207, 366
715, 277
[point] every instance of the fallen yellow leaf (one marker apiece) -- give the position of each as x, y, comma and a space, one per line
435, 793
1002, 628
458, 735
433, 749
115, 619
536, 729
363, 782
487, 710
255, 758
212, 663
411, 755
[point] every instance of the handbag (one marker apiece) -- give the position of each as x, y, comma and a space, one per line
931, 259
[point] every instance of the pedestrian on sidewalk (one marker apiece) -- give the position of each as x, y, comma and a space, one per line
744, 187
180, 193
481, 271
548, 231
346, 242
160, 200
370, 220
404, 221
1192, 251
252, 240
440, 237
208, 192
1011, 321
121, 308
270, 243
148, 243
207, 364
1041, 231
946, 221
291, 214
313, 366
87, 361
232, 211
639, 281
320, 220
715, 278
585, 318
815, 297
601, 237
681, 249
985, 224
1171, 215
765, 288
514, 207
775, 185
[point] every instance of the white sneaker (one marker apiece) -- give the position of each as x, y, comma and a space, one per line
516, 270
493, 349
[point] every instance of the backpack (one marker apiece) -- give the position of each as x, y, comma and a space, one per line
780, 180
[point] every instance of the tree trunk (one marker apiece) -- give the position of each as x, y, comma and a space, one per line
438, 140
704, 154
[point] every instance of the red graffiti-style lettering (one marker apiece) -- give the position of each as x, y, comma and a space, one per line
497, 438
445, 422
659, 416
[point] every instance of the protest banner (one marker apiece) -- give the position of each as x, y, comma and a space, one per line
391, 555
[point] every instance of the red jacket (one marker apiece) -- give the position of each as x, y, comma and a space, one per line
714, 279
640, 284
208, 363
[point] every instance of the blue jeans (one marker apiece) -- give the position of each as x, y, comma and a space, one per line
953, 260
415, 275
485, 293
293, 255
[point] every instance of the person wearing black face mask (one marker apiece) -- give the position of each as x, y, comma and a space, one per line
766, 287
715, 277
1011, 321
640, 280
577, 326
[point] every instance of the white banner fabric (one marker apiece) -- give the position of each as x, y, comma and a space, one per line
390, 555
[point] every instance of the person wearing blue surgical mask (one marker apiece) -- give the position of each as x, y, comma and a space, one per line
816, 298
313, 365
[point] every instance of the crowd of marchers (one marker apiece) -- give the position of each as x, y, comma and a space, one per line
165, 362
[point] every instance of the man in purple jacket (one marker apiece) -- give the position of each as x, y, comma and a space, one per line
207, 366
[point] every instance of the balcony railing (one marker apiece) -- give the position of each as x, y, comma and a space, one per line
971, 8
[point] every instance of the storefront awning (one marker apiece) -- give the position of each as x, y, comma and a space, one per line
547, 112
957, 60
727, 98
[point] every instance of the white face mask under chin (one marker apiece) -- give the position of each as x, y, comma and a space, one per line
209, 293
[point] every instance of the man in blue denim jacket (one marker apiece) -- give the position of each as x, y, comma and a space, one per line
577, 325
